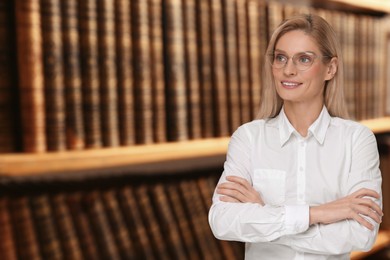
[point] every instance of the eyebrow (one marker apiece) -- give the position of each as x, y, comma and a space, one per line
312, 52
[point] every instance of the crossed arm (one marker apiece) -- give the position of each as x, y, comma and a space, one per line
353, 206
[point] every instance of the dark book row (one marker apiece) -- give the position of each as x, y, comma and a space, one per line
164, 219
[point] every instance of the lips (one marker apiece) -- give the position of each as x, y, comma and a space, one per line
290, 84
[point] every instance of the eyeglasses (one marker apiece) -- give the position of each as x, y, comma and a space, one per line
302, 60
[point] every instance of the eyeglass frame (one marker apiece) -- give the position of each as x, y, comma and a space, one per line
309, 53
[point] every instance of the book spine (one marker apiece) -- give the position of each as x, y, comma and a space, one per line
135, 222
118, 226
90, 73
23, 226
108, 73
75, 135
243, 61
175, 71
124, 46
100, 226
255, 55
53, 75
192, 71
8, 67
142, 72
184, 225
218, 70
70, 243
167, 222
78, 211
45, 227
204, 46
31, 80
158, 244
7, 245
157, 70
232, 83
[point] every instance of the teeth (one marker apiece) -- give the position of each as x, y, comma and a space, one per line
290, 84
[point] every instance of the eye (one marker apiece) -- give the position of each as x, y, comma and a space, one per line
280, 58
305, 59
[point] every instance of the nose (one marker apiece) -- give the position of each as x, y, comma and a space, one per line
290, 68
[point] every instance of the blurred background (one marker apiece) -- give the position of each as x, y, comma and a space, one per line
115, 116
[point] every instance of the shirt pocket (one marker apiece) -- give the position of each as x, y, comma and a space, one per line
271, 184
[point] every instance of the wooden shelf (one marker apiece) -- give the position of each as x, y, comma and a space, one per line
142, 159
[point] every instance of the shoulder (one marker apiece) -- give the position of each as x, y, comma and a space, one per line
351, 128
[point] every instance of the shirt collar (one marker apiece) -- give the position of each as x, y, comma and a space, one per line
317, 129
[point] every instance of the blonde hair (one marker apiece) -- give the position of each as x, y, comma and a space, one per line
324, 35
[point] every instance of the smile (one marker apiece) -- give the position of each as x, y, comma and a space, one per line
290, 84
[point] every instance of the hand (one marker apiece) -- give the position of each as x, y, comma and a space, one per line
238, 189
353, 206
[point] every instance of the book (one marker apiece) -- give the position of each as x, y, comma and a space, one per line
7, 245
136, 224
157, 70
75, 134
175, 71
167, 222
30, 65
26, 239
52, 50
256, 53
142, 72
88, 26
231, 66
192, 71
108, 73
101, 229
8, 80
124, 46
45, 228
218, 72
66, 228
205, 63
243, 61
78, 211
118, 226
158, 243
183, 222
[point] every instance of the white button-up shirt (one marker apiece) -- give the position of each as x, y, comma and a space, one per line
291, 173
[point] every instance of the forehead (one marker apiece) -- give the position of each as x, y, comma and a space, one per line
296, 41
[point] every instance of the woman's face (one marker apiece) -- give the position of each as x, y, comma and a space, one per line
303, 83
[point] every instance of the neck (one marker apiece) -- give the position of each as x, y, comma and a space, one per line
301, 116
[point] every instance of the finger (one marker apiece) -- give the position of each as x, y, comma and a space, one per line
228, 199
371, 204
242, 181
366, 192
366, 211
233, 186
232, 193
363, 222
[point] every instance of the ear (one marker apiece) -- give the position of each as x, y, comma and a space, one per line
332, 68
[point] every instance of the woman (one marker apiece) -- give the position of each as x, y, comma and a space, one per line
300, 182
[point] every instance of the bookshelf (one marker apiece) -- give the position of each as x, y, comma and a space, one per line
143, 159
108, 90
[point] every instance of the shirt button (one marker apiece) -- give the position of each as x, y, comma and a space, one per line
301, 169
301, 197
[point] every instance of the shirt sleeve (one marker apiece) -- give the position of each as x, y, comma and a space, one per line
348, 235
251, 222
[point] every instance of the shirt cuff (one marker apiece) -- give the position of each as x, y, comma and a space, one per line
296, 218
